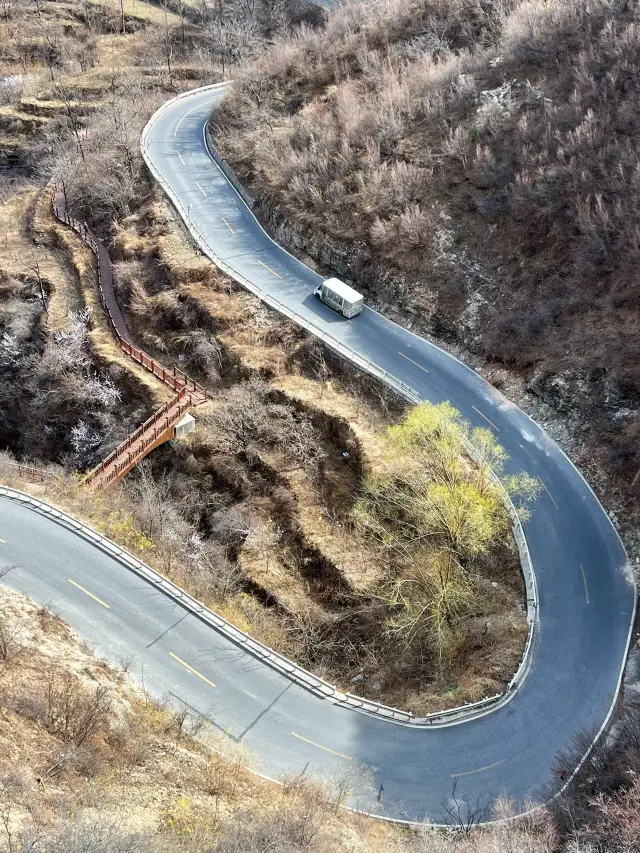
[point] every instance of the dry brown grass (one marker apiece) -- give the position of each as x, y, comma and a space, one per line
143, 11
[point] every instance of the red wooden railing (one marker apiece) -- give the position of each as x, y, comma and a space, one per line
160, 426
155, 431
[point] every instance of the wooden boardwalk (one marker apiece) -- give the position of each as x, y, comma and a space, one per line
189, 393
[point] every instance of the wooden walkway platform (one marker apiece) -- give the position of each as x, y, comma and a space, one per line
189, 393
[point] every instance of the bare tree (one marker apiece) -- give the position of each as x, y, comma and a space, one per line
182, 10
154, 507
165, 41
51, 47
71, 711
232, 42
262, 540
256, 85
75, 125
8, 824
34, 265
464, 812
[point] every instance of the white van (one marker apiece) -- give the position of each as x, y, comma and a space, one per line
339, 296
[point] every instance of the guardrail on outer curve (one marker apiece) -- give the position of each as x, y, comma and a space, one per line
301, 676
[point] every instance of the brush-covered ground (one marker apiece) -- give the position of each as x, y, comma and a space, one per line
473, 168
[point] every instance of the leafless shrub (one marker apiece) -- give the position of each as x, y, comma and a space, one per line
84, 441
85, 835
49, 619
212, 573
203, 353
457, 144
464, 812
221, 778
11, 89
616, 826
139, 299
248, 417
611, 765
12, 641
230, 528
413, 227
68, 709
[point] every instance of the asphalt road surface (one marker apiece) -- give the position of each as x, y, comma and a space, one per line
586, 591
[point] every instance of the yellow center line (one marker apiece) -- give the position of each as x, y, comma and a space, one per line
270, 270
201, 190
191, 669
486, 418
548, 492
479, 770
586, 588
90, 594
181, 160
228, 226
326, 748
413, 362
4, 541
175, 133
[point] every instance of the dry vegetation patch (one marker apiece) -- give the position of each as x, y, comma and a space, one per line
62, 397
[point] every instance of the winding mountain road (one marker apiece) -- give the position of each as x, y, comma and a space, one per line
586, 590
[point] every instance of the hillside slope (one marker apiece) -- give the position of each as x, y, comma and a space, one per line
473, 167
88, 762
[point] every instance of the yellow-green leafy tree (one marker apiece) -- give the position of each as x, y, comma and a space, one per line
436, 510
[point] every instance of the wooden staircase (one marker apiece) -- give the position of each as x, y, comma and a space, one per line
159, 428
189, 393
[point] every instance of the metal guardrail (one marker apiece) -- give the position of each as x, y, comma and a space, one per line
301, 676
297, 673
229, 174
240, 638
